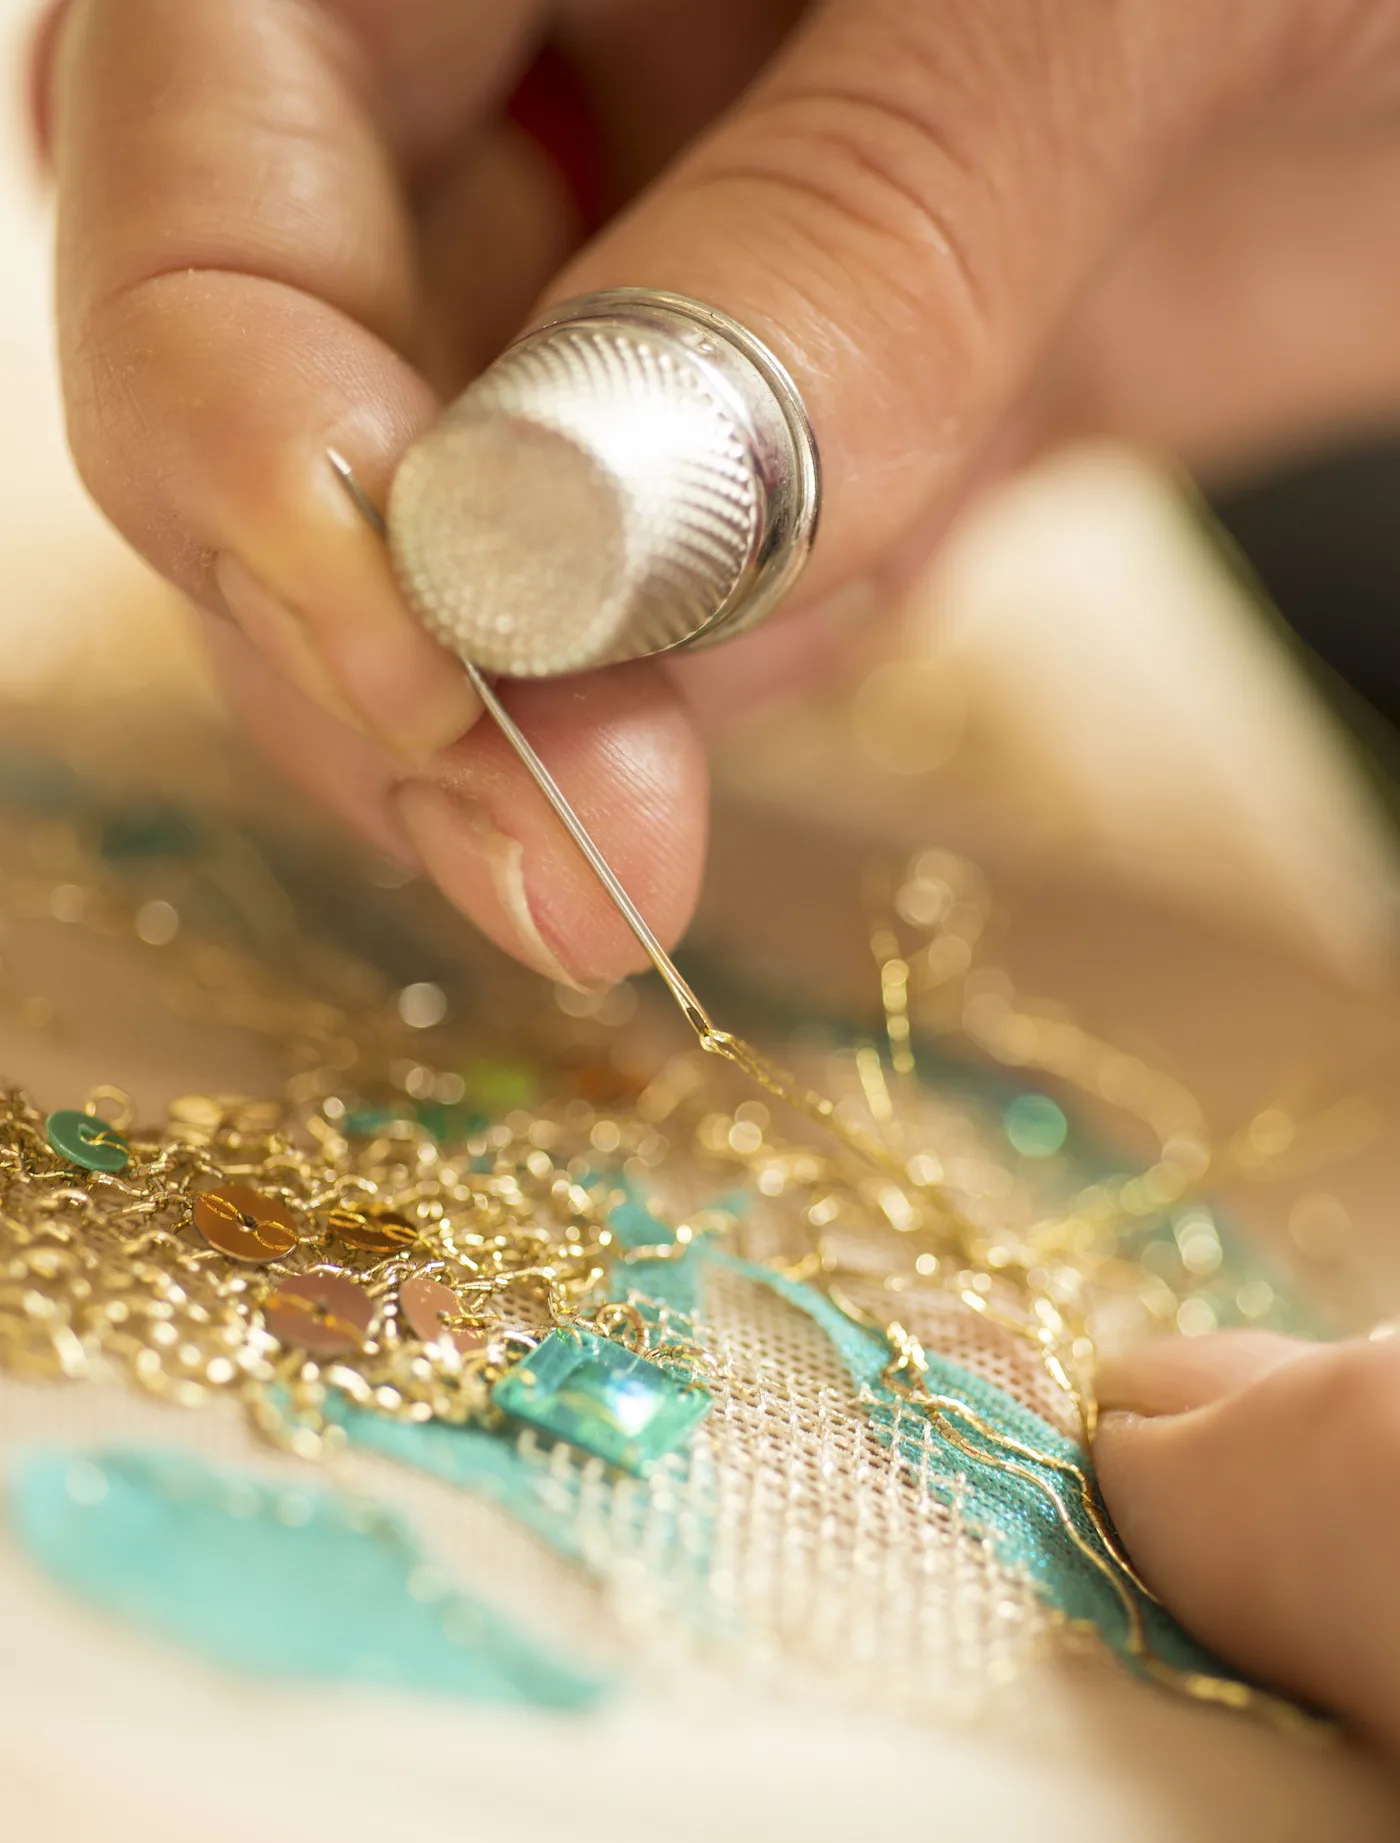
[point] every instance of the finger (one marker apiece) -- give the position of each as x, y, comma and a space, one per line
907, 202
348, 774
657, 72
723, 685
1254, 315
620, 745
1265, 1520
503, 194
433, 64
621, 87
1175, 1375
39, 70
236, 292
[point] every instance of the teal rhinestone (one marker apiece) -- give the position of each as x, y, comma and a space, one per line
597, 1395
85, 1140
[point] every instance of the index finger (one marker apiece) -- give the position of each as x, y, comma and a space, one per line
236, 292
236, 281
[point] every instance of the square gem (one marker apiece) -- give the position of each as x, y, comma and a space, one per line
601, 1396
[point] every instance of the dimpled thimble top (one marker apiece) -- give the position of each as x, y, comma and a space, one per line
619, 482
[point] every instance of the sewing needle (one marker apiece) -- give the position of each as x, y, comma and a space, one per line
693, 1011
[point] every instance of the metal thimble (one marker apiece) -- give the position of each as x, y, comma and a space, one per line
635, 473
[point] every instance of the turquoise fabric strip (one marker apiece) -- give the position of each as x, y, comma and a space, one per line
1016, 1512
277, 1581
545, 1502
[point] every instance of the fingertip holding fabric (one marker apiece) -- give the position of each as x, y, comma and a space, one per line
1178, 1375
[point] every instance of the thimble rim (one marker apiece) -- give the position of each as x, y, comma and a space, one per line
770, 464
761, 587
602, 303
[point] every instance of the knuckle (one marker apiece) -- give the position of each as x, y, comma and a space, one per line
863, 179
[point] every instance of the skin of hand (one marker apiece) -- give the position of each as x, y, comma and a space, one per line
285, 225
967, 228
1255, 1480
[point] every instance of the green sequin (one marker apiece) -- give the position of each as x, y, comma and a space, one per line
86, 1140
602, 1397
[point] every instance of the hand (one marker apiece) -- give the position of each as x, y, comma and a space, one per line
286, 225
1256, 1483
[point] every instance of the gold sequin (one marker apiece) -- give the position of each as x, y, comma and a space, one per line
242, 1222
321, 1312
426, 1303
373, 1232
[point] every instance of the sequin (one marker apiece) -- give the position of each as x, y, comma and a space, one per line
378, 1232
84, 1139
321, 1312
425, 1303
1035, 1125
245, 1224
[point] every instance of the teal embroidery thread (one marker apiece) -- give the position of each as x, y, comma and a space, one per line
274, 1580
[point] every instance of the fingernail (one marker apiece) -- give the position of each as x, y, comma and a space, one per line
376, 670
478, 867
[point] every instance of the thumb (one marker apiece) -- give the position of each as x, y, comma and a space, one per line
905, 204
1255, 1481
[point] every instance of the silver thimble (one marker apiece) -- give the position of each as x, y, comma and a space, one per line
635, 473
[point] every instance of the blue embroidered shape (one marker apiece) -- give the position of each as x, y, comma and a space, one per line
275, 1580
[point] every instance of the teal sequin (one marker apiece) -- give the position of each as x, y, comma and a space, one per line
85, 1140
277, 1581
